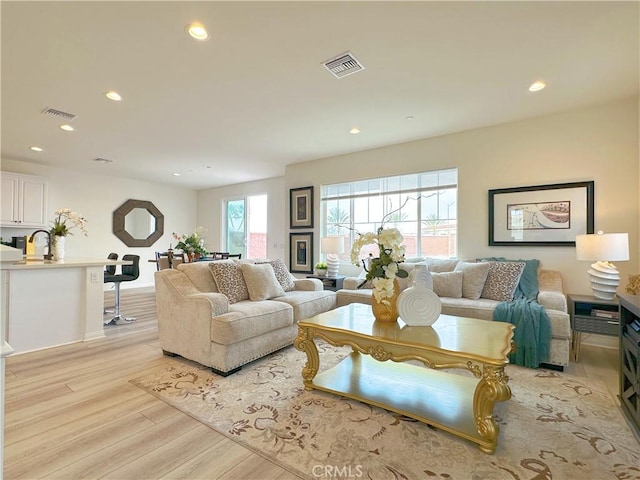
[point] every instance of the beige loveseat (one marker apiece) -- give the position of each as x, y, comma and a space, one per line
257, 314
550, 296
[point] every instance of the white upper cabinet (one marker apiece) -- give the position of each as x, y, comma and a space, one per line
24, 200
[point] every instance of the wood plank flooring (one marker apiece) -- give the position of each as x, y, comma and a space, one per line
71, 412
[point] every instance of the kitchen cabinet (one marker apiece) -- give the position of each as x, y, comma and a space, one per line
24, 200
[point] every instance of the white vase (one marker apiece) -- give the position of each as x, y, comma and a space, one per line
418, 305
421, 274
58, 247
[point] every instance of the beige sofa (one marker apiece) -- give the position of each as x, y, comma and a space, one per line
550, 295
225, 330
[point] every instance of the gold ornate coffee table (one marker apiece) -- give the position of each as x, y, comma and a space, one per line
460, 404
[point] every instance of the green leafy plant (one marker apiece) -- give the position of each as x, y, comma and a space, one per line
192, 243
321, 266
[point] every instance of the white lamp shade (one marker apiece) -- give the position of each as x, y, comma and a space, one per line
332, 245
608, 247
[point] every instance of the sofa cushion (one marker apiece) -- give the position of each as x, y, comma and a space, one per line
200, 275
247, 319
282, 274
261, 281
309, 303
502, 280
473, 278
447, 284
229, 280
439, 265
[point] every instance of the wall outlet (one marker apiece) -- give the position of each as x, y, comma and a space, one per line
94, 277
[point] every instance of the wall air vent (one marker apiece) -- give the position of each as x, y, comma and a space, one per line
343, 65
58, 114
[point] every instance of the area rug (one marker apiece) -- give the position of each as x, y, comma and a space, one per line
555, 426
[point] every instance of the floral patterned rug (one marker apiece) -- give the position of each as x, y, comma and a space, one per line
556, 426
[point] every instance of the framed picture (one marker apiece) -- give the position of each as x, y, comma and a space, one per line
549, 215
301, 205
301, 252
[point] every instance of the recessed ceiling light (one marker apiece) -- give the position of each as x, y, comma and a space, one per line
67, 128
537, 86
112, 95
354, 131
35, 149
197, 31
176, 174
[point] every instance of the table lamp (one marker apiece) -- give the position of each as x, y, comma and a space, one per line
603, 248
332, 246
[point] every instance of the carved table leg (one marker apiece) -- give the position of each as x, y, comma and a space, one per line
492, 388
304, 342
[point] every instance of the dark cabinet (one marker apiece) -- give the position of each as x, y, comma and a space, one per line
629, 353
330, 283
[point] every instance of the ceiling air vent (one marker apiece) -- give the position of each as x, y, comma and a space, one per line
343, 65
58, 114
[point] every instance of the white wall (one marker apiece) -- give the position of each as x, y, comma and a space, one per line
211, 215
599, 143
96, 197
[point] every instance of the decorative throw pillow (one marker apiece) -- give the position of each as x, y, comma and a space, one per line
502, 280
528, 285
440, 265
447, 284
282, 274
473, 278
261, 281
229, 280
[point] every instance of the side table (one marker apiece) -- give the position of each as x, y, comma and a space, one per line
591, 315
330, 283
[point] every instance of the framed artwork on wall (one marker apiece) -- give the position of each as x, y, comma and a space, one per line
301, 207
550, 215
301, 252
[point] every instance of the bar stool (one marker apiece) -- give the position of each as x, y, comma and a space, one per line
128, 274
110, 270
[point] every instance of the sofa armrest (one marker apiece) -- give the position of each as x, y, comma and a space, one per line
551, 295
351, 283
308, 284
185, 315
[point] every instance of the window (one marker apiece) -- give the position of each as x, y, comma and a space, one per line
246, 226
421, 205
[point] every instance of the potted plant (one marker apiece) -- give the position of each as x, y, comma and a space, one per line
321, 269
193, 244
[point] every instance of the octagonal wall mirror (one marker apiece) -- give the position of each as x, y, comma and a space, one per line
138, 223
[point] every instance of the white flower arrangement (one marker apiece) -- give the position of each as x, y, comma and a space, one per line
66, 220
382, 270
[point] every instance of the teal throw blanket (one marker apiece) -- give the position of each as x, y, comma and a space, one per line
532, 334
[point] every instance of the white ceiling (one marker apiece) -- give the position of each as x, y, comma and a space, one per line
255, 97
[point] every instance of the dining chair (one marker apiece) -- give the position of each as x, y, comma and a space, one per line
177, 259
219, 255
163, 260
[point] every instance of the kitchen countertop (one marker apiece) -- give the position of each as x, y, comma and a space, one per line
40, 263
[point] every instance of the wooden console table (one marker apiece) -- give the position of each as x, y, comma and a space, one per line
465, 403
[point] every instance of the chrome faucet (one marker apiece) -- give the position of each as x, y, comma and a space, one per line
49, 254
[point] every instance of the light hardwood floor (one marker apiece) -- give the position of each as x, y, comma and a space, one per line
71, 412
